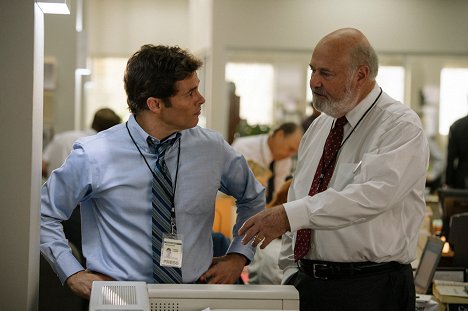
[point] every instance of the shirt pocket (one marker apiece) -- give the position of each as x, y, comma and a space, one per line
344, 175
197, 191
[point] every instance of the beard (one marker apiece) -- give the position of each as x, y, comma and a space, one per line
334, 107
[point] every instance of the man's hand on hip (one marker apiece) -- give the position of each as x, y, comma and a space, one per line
225, 269
81, 282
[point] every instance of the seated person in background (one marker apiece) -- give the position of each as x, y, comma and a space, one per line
272, 151
436, 166
456, 173
264, 269
261, 173
308, 121
61, 145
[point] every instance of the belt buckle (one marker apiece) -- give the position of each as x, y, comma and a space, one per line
314, 266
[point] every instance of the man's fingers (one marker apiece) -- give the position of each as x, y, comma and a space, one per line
250, 236
248, 231
246, 226
265, 243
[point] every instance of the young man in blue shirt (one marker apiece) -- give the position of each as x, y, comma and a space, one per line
111, 176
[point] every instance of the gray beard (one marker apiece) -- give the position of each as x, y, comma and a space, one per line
335, 108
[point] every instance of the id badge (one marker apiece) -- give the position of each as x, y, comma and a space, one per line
171, 252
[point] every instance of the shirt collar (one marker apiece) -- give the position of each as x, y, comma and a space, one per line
354, 115
140, 136
266, 152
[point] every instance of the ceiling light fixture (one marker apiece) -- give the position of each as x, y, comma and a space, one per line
53, 6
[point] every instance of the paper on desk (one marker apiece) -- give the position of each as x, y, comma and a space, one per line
450, 288
425, 303
423, 298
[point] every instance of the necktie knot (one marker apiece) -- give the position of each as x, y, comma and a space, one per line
161, 147
340, 122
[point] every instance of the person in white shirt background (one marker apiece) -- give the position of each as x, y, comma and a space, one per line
61, 145
364, 226
272, 151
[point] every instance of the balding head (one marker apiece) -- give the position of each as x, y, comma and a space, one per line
354, 47
344, 66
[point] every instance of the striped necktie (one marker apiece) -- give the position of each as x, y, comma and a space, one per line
162, 208
322, 177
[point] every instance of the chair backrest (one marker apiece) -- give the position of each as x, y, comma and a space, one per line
458, 236
451, 201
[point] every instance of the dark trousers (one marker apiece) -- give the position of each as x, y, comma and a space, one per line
383, 291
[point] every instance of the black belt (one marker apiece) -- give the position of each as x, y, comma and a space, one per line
336, 270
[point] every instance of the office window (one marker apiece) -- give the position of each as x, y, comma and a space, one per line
453, 97
105, 87
392, 81
254, 85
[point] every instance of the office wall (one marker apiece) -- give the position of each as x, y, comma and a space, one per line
21, 56
428, 26
425, 27
120, 27
117, 27
60, 44
216, 29
413, 28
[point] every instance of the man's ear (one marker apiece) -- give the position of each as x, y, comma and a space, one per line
154, 104
362, 73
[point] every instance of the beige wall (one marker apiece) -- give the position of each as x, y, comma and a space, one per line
22, 37
216, 29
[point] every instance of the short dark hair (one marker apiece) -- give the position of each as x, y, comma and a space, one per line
105, 118
153, 71
287, 128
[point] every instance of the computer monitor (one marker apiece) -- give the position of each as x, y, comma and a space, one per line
428, 264
454, 274
451, 201
138, 296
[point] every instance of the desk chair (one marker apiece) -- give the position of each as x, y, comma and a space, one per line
458, 235
451, 202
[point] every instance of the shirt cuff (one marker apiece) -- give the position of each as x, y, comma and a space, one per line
297, 214
237, 247
67, 265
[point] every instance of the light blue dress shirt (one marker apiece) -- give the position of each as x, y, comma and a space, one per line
106, 174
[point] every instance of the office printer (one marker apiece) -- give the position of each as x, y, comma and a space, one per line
139, 296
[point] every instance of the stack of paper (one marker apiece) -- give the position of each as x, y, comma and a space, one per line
450, 292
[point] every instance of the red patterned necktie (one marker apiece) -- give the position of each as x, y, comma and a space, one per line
322, 177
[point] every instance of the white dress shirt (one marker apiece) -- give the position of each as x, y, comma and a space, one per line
374, 203
264, 269
255, 148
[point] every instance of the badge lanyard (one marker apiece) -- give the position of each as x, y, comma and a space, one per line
173, 222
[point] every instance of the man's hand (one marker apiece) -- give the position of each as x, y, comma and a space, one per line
265, 226
80, 283
225, 269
